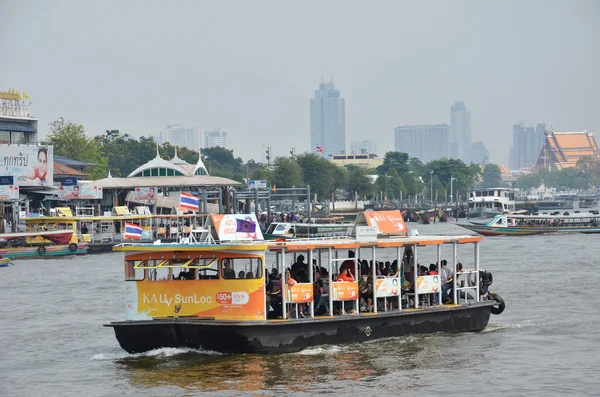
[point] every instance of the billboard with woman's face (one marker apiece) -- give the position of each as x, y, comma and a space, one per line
29, 165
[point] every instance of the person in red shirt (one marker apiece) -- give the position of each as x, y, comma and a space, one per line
345, 275
433, 270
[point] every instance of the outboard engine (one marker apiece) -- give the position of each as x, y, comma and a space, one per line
485, 280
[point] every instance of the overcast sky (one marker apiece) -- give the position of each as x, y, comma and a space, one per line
250, 67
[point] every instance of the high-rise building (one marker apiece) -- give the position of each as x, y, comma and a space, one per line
479, 153
327, 121
181, 136
363, 147
527, 144
460, 139
426, 142
215, 138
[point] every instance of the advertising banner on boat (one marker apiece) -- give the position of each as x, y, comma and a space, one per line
300, 293
428, 284
344, 291
29, 165
145, 193
235, 227
387, 287
83, 192
223, 299
9, 192
384, 222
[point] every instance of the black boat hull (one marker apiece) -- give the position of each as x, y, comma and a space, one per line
281, 336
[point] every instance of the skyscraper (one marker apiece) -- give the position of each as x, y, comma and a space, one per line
426, 142
215, 138
181, 136
527, 144
327, 121
460, 138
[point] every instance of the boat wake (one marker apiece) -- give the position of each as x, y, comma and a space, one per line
163, 352
315, 351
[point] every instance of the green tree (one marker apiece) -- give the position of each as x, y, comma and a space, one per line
358, 182
286, 173
526, 182
69, 140
395, 161
492, 177
322, 175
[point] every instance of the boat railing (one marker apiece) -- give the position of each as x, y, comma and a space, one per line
468, 282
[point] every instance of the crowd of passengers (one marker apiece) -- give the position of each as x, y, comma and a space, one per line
299, 273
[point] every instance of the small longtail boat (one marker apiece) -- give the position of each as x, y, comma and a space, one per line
41, 244
523, 225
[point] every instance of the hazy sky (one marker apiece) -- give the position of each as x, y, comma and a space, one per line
250, 67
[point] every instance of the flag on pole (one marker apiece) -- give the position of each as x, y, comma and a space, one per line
245, 226
189, 201
133, 231
320, 149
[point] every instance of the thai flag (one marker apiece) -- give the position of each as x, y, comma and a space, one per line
189, 201
133, 231
320, 149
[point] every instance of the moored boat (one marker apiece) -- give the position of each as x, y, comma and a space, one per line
191, 295
489, 202
41, 244
294, 230
518, 225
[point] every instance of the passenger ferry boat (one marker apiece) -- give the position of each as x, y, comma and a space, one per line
537, 224
294, 230
487, 203
191, 295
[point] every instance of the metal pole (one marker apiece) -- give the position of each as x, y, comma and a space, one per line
399, 271
283, 286
454, 255
220, 196
374, 277
235, 203
416, 277
330, 283
476, 271
308, 202
256, 204
451, 180
439, 266
431, 186
293, 200
311, 279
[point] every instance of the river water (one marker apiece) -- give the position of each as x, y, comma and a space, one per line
546, 343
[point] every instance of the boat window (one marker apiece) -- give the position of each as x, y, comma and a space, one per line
478, 194
281, 227
241, 268
133, 273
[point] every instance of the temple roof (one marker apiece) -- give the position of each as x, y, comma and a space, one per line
564, 149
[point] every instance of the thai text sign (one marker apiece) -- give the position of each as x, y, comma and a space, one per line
221, 299
7, 180
428, 284
29, 165
9, 192
233, 227
386, 222
300, 293
366, 233
145, 193
344, 291
389, 286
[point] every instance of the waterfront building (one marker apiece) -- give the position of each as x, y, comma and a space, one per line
563, 149
327, 121
17, 126
364, 160
460, 138
215, 138
426, 142
181, 136
527, 144
363, 147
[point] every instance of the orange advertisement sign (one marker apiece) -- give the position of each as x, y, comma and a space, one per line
344, 291
428, 284
242, 299
387, 222
300, 293
234, 227
387, 287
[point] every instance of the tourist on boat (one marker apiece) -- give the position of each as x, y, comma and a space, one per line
241, 274
345, 275
276, 299
365, 290
349, 263
300, 270
228, 272
320, 297
446, 275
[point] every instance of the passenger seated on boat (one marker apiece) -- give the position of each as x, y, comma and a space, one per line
300, 270
345, 275
446, 276
185, 275
365, 290
320, 297
249, 275
349, 263
241, 274
228, 272
276, 298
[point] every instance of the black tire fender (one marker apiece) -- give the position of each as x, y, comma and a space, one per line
501, 305
41, 250
73, 247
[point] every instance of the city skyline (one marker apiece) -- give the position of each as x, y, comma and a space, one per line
327, 121
269, 62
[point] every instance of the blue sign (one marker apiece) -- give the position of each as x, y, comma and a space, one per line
257, 184
7, 180
68, 181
